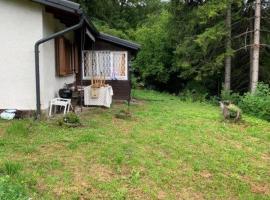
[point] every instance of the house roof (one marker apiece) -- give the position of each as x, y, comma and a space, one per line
118, 41
75, 8
62, 5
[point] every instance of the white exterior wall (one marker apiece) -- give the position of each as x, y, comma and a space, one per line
20, 27
50, 82
22, 23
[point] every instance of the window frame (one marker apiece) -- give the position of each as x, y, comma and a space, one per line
112, 54
65, 57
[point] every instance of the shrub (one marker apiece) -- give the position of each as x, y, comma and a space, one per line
193, 96
69, 120
228, 95
214, 100
72, 118
194, 91
135, 84
257, 103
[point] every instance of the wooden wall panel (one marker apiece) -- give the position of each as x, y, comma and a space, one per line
121, 89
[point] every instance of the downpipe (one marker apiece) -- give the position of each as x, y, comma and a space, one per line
37, 66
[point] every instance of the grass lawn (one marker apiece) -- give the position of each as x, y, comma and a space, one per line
169, 149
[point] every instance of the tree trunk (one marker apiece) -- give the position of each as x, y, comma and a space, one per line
228, 61
256, 47
251, 41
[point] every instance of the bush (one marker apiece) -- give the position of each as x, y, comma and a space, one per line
194, 91
69, 120
214, 100
193, 96
72, 118
257, 104
228, 95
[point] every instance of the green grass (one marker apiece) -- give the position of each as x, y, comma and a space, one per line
169, 149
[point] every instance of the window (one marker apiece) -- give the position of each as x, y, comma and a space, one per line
113, 65
66, 57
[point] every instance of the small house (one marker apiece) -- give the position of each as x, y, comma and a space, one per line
47, 44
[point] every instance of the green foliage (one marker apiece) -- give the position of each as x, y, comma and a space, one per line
194, 92
234, 108
119, 16
257, 104
19, 127
228, 95
192, 96
88, 138
11, 168
234, 111
71, 118
135, 177
135, 83
152, 61
199, 31
9, 190
211, 10
105, 28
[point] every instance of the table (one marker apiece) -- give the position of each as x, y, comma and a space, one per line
98, 96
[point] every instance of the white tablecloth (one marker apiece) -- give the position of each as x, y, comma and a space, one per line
104, 96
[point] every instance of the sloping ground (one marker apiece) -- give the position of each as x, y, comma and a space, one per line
168, 150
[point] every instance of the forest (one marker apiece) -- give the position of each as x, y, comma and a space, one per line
203, 48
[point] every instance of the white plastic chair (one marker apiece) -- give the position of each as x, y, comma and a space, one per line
66, 103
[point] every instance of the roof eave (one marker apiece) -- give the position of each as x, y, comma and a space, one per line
118, 41
61, 6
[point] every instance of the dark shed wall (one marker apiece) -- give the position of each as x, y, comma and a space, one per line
121, 89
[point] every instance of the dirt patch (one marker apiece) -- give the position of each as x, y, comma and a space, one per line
79, 178
40, 186
1, 133
101, 173
260, 189
123, 127
80, 188
189, 194
77, 192
266, 156
50, 149
137, 194
161, 195
206, 174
